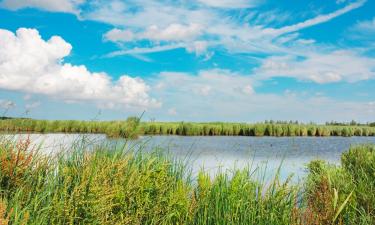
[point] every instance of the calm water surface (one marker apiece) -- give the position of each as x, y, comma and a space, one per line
223, 153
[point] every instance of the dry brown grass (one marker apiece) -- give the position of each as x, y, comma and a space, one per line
320, 209
14, 164
4, 218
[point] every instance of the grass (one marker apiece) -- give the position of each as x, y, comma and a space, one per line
352, 185
109, 185
132, 127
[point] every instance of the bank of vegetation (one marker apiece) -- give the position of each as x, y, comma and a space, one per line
132, 127
125, 186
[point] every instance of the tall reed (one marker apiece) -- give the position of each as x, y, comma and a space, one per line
132, 127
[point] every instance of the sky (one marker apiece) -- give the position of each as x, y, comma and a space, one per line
188, 60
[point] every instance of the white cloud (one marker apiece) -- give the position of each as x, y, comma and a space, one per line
173, 32
202, 30
118, 35
230, 4
305, 41
364, 31
217, 82
68, 6
317, 20
180, 35
231, 96
32, 105
7, 104
138, 50
193, 25
366, 26
320, 67
34, 66
199, 47
210, 94
248, 89
203, 90
363, 34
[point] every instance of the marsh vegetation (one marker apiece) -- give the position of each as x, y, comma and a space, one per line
111, 185
133, 127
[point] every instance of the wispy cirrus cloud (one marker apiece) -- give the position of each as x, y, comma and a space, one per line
201, 29
314, 21
173, 32
364, 31
67, 6
146, 50
366, 26
198, 26
231, 4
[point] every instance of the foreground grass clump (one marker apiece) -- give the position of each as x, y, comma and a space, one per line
345, 193
108, 186
116, 186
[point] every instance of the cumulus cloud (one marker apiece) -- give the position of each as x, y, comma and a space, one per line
320, 67
68, 6
34, 66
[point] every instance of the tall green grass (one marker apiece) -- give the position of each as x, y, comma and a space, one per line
109, 185
132, 127
113, 186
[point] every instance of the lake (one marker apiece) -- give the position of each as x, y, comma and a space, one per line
215, 153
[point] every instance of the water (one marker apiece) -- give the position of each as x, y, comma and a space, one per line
219, 153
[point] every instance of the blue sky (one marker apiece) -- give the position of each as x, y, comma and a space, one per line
200, 60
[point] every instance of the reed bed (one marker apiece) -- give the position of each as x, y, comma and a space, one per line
133, 127
258, 129
111, 185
